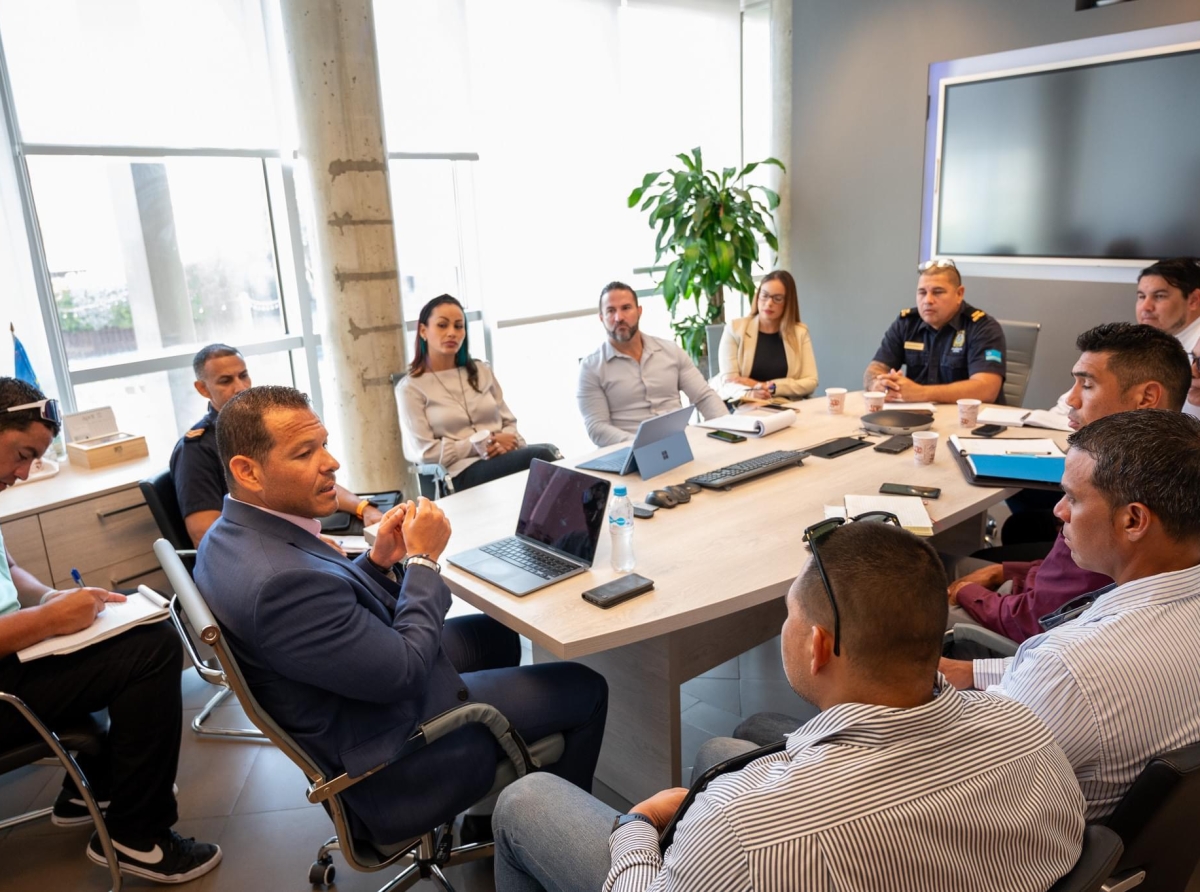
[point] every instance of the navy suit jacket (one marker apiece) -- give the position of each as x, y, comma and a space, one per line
341, 657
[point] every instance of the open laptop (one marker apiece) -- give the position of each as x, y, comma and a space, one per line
561, 517
660, 445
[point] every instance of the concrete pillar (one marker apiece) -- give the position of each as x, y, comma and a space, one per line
781, 122
335, 80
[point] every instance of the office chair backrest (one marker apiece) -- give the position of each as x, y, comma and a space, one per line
1157, 820
1020, 343
1101, 849
712, 340
159, 493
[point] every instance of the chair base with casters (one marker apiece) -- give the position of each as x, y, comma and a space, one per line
425, 855
85, 737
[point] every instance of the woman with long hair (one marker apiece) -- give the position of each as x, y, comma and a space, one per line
768, 351
447, 398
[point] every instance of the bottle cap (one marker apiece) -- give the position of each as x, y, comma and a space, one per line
619, 491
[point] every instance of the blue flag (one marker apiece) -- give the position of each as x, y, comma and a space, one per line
24, 368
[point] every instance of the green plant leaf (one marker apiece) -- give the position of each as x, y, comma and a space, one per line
772, 197
687, 162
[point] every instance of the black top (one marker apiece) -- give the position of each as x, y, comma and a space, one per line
972, 341
196, 468
770, 360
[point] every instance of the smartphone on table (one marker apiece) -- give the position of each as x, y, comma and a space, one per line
989, 430
727, 437
904, 489
895, 445
617, 591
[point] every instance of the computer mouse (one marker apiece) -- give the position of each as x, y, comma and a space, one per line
660, 498
680, 493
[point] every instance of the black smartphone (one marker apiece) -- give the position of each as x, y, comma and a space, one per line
904, 489
775, 407
612, 593
727, 437
895, 445
989, 430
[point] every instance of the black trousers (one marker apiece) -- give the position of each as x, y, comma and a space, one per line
136, 677
503, 465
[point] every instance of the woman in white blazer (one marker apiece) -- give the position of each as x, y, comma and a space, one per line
768, 351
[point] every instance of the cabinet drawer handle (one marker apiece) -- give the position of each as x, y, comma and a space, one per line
104, 515
117, 583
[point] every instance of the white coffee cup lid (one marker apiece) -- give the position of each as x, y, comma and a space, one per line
969, 402
835, 390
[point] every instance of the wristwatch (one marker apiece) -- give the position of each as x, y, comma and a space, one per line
771, 387
421, 560
622, 820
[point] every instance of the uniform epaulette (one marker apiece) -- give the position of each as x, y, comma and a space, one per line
195, 432
905, 312
977, 315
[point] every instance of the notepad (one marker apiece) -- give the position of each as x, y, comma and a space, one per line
143, 606
1007, 446
753, 425
1025, 418
909, 510
1033, 468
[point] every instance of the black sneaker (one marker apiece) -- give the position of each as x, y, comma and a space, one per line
71, 811
169, 859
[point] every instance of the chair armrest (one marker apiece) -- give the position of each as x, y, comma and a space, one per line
442, 480
965, 632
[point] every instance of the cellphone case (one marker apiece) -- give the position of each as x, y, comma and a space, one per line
634, 585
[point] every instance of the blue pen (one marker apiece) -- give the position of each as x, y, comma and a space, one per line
78, 579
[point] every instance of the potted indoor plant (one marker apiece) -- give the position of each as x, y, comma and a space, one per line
710, 224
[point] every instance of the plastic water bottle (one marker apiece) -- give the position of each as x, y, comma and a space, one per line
620, 524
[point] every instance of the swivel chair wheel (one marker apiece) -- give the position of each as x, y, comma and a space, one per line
321, 873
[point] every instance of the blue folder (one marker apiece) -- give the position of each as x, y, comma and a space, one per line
1034, 468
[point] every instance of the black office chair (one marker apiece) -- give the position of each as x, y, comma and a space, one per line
1101, 849
159, 493
84, 736
1157, 820
427, 854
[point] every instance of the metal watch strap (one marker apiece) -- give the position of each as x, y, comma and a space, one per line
621, 820
422, 560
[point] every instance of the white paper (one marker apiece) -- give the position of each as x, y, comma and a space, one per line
144, 606
909, 510
1010, 446
754, 425
92, 423
351, 544
835, 511
1024, 418
909, 406
1054, 421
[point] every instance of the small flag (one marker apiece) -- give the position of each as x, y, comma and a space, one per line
24, 368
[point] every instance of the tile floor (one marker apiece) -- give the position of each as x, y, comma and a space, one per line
249, 799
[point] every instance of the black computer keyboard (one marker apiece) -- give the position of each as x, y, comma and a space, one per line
740, 472
536, 561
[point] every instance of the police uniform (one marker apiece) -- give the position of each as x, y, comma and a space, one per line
196, 468
971, 342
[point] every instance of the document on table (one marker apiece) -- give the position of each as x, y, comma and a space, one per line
753, 425
143, 606
1031, 460
909, 510
1008, 446
1025, 418
911, 407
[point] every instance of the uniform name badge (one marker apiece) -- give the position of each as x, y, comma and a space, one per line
914, 345
960, 340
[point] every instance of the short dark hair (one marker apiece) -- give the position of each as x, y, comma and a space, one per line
212, 351
15, 392
1141, 353
1150, 456
1180, 272
891, 595
241, 424
615, 286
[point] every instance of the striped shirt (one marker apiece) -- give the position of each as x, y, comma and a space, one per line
1118, 685
968, 791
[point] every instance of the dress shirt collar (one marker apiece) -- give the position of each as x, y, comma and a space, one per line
649, 345
1149, 591
865, 724
211, 415
1190, 335
957, 322
308, 524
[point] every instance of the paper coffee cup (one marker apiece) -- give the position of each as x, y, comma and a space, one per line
968, 413
874, 400
479, 442
837, 399
924, 446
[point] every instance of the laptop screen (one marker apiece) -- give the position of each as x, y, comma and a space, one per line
563, 509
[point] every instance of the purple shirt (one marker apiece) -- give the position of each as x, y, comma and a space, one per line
1038, 588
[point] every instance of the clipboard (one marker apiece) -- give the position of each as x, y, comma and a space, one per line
998, 482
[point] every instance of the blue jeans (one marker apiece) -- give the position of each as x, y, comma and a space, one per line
551, 835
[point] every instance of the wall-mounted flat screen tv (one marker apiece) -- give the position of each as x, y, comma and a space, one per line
1086, 162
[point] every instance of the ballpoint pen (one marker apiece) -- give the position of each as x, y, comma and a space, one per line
78, 579
1034, 454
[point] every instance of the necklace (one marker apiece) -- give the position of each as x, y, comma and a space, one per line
463, 390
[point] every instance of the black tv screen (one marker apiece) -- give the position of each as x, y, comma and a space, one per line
1096, 161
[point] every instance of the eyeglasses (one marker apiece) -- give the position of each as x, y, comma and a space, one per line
818, 532
773, 298
48, 410
939, 263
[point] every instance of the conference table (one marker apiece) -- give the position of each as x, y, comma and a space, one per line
720, 563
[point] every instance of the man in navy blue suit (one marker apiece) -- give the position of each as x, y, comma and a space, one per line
349, 656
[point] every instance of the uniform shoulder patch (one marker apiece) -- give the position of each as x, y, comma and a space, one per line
195, 432
905, 312
977, 315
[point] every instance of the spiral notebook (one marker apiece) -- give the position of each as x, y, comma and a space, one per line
143, 606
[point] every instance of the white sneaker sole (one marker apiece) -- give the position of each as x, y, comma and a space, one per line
134, 870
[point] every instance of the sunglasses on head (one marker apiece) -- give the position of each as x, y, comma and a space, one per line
817, 533
48, 410
940, 263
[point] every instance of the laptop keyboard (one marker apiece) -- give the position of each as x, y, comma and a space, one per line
614, 461
536, 561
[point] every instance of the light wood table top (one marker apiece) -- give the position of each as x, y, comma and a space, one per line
73, 484
721, 553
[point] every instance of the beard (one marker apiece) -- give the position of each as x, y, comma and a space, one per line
623, 336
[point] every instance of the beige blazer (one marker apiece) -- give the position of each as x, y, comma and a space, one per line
736, 358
